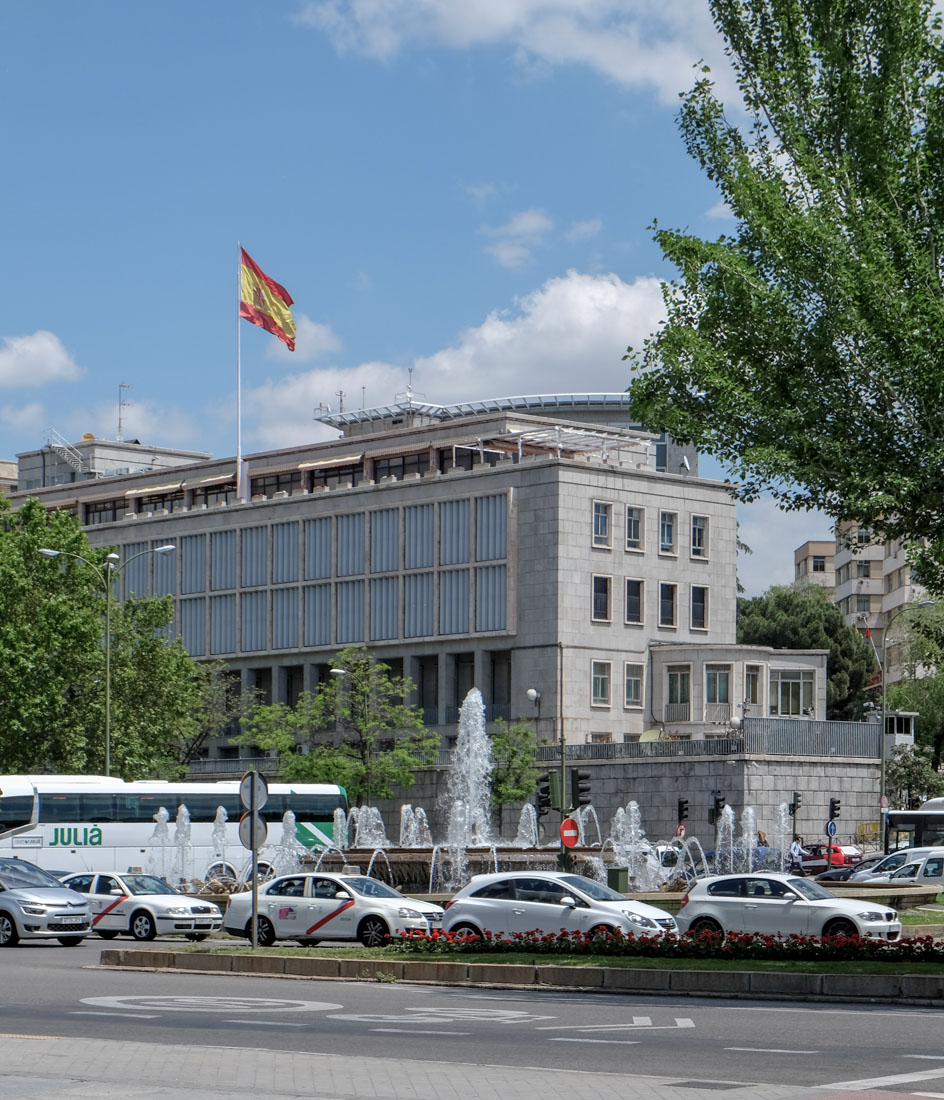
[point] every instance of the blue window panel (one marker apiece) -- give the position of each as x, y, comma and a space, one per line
318, 548
165, 571
133, 573
193, 564
384, 540
222, 624
418, 606
222, 560
350, 611
491, 528
453, 532
384, 608
454, 602
351, 545
418, 536
317, 614
255, 543
193, 626
490, 598
285, 618
284, 553
252, 607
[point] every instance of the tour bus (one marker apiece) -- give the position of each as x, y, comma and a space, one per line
96, 823
921, 828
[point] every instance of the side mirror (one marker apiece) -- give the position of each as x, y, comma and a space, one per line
115, 890
342, 894
568, 902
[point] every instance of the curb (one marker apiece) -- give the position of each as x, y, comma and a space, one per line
926, 990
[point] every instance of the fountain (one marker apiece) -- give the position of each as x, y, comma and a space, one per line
414, 828
369, 831
183, 865
157, 865
632, 849
724, 843
286, 856
527, 834
783, 834
470, 777
747, 840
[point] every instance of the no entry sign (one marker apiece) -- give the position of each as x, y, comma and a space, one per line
569, 832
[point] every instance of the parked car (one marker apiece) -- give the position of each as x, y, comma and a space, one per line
888, 863
144, 906
320, 906
777, 904
823, 857
34, 905
843, 874
548, 901
924, 871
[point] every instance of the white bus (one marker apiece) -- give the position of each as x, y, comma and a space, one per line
96, 823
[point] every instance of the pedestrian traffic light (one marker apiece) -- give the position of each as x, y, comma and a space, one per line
557, 802
682, 809
835, 806
715, 812
579, 788
795, 804
544, 795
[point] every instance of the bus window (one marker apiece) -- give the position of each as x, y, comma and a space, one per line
15, 810
97, 807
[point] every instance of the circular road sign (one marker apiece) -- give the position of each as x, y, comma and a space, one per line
253, 784
261, 831
830, 828
569, 832
680, 830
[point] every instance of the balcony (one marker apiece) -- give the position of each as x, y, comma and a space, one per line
678, 712
718, 713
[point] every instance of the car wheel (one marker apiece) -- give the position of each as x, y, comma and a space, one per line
265, 931
704, 924
840, 927
8, 933
196, 937
465, 930
373, 932
108, 934
142, 925
70, 941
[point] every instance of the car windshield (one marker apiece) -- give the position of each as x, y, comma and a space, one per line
148, 884
15, 874
371, 887
592, 888
809, 889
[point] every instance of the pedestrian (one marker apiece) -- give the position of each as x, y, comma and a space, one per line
797, 852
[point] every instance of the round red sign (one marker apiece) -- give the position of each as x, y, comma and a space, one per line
680, 830
569, 832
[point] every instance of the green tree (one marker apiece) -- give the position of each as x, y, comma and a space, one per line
515, 772
804, 617
355, 729
911, 778
803, 349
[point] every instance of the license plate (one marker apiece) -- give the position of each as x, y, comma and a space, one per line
72, 920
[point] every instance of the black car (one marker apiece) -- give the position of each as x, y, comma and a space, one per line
842, 874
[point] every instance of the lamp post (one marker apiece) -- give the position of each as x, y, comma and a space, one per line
341, 675
535, 696
106, 576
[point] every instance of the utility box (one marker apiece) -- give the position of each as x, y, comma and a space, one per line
617, 878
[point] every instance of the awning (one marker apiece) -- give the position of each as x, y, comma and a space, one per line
151, 490
340, 460
201, 482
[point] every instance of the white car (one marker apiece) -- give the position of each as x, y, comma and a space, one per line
143, 906
35, 905
776, 904
884, 867
507, 902
321, 906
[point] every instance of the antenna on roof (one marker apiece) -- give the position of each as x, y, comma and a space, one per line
340, 394
409, 395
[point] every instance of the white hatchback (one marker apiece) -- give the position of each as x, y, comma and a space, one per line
776, 904
507, 902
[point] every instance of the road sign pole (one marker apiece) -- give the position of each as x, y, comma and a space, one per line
254, 938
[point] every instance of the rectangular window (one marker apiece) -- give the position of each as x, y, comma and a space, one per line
699, 607
863, 603
863, 569
752, 684
699, 536
791, 691
717, 683
635, 528
601, 599
634, 601
679, 685
600, 683
601, 523
667, 524
667, 593
633, 686
819, 563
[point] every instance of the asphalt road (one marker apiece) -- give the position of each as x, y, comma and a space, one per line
48, 990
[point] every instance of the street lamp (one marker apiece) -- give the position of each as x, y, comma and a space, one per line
535, 696
105, 576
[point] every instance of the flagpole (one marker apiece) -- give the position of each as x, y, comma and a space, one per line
240, 486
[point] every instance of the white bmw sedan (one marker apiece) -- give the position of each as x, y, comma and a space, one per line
775, 904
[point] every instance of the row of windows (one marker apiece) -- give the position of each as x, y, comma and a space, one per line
861, 570
634, 603
633, 535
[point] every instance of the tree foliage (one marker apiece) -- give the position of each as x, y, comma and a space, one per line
911, 778
515, 772
803, 350
804, 617
355, 729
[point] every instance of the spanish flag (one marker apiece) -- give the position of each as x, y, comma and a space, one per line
265, 302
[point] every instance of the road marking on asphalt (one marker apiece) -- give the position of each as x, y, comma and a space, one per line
18, 1035
938, 1094
266, 1023
771, 1050
123, 1015
926, 1057
639, 1023
881, 1082
211, 1004
419, 1031
456, 1015
610, 1042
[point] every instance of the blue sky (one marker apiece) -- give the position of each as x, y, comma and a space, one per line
464, 189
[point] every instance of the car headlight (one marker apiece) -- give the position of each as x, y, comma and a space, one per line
179, 911
636, 918
410, 914
34, 910
871, 914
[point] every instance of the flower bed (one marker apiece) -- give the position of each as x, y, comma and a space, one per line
707, 945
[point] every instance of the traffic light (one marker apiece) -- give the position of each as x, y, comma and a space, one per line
557, 802
682, 809
834, 808
795, 804
579, 788
715, 812
544, 795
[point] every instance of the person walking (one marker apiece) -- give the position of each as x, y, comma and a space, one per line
797, 852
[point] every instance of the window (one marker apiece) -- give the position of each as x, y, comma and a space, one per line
270, 484
819, 563
601, 523
667, 521
104, 511
717, 684
699, 536
863, 536
791, 691
863, 603
635, 528
601, 599
678, 708
667, 594
600, 683
401, 466
634, 601
752, 684
633, 686
863, 569
699, 607
601, 738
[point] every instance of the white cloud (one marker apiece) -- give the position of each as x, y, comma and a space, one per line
633, 42
312, 341
36, 360
146, 421
583, 231
29, 419
514, 242
480, 191
720, 210
773, 535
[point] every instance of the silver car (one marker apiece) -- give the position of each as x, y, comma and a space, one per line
34, 905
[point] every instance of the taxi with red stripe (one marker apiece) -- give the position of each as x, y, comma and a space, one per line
143, 906
318, 906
